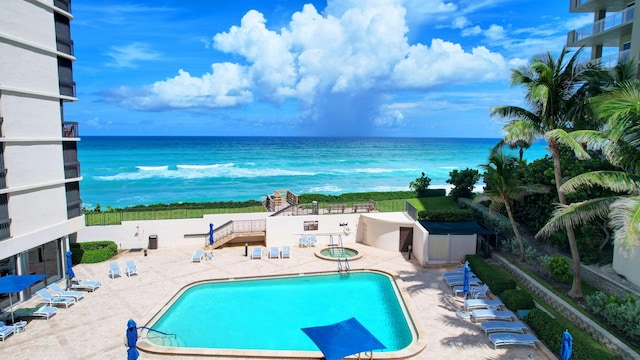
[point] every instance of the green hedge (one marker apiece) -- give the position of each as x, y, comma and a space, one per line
515, 299
498, 279
93, 252
362, 197
454, 215
549, 331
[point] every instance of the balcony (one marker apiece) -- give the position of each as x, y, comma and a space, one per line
5, 229
3, 178
596, 5
71, 170
63, 4
606, 32
64, 45
610, 61
74, 209
70, 129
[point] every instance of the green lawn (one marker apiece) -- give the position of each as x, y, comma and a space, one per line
434, 203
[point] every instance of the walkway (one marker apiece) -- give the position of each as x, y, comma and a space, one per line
95, 327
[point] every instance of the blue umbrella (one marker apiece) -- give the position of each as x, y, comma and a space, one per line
343, 339
132, 340
567, 345
10, 284
465, 280
70, 266
210, 234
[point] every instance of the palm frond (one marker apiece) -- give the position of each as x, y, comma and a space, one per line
576, 214
617, 181
625, 221
562, 137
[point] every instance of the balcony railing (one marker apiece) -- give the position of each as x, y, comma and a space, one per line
70, 129
610, 61
71, 170
64, 45
5, 229
3, 178
63, 4
67, 88
602, 25
74, 209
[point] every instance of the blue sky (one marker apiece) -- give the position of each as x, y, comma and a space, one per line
424, 68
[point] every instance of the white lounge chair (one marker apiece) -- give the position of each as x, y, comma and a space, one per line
44, 311
79, 284
256, 253
501, 339
131, 268
286, 252
457, 274
473, 290
313, 241
114, 270
474, 304
5, 330
274, 253
503, 326
197, 256
452, 282
304, 242
53, 300
505, 315
57, 291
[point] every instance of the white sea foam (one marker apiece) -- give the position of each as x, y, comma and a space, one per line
188, 172
200, 167
153, 168
324, 189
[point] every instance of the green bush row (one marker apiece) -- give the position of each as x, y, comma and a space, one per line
498, 279
173, 206
515, 299
454, 215
93, 252
549, 331
366, 196
623, 314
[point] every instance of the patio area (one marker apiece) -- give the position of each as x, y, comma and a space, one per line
94, 328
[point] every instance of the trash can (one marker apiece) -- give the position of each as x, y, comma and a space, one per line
153, 242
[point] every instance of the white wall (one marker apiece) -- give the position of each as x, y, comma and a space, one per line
627, 264
171, 233
286, 230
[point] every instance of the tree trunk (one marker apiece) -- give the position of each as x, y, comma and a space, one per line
515, 228
576, 286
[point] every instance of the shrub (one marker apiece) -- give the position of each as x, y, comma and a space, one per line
491, 220
93, 252
531, 255
498, 279
515, 300
549, 331
623, 314
558, 268
456, 215
463, 182
420, 185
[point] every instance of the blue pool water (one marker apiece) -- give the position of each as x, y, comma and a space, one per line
267, 314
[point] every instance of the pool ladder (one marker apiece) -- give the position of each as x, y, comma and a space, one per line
344, 268
166, 339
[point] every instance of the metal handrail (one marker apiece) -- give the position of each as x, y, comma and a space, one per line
158, 331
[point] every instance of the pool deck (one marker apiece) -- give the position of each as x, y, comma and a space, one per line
94, 328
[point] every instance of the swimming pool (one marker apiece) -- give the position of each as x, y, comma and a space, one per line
266, 314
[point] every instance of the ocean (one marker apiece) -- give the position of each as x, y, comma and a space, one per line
127, 171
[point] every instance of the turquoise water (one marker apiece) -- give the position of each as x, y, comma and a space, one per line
268, 314
339, 252
126, 171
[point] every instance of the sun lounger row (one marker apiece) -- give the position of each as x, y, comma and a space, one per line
273, 252
130, 269
502, 339
84, 285
478, 304
308, 240
475, 291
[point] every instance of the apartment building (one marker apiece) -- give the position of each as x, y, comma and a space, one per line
40, 206
614, 35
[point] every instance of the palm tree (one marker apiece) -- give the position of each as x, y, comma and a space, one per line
503, 188
620, 143
556, 93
